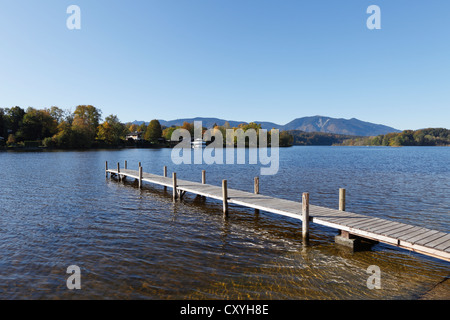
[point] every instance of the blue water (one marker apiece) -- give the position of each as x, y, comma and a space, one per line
57, 209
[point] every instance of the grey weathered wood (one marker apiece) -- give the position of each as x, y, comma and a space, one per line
203, 176
126, 165
140, 177
341, 199
256, 188
174, 185
106, 169
305, 216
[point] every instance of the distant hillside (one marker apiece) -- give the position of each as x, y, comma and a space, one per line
352, 126
422, 137
301, 138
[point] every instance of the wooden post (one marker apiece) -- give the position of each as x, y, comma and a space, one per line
118, 170
305, 216
140, 164
256, 185
225, 197
126, 165
342, 199
343, 234
106, 169
165, 175
256, 189
140, 177
174, 177
203, 176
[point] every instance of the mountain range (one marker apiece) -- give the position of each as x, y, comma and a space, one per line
352, 126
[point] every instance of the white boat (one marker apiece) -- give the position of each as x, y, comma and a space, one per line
198, 143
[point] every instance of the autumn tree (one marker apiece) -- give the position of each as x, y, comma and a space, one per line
153, 132
112, 130
85, 125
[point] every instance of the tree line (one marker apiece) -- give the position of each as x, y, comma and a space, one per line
422, 137
57, 128
83, 128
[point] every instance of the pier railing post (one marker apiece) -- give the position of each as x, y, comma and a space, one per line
126, 165
256, 190
344, 234
305, 216
165, 175
140, 177
341, 199
118, 170
174, 178
256, 185
225, 196
106, 169
203, 176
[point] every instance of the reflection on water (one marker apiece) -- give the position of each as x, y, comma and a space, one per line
57, 209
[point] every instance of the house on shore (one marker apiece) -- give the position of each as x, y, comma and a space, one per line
135, 136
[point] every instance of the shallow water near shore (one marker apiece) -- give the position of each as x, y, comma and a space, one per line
58, 209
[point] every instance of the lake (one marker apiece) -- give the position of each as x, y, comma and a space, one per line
57, 209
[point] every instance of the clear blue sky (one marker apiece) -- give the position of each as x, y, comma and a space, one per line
247, 60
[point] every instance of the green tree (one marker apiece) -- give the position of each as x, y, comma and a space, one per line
153, 132
37, 125
14, 117
3, 127
167, 133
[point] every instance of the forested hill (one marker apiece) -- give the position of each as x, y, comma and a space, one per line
423, 137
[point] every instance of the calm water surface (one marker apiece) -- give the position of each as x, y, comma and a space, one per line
57, 209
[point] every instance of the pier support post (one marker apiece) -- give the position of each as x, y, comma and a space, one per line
305, 217
345, 238
140, 177
174, 178
106, 169
126, 165
118, 171
225, 197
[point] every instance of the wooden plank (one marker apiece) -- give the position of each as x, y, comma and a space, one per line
392, 232
413, 239
406, 232
430, 238
438, 241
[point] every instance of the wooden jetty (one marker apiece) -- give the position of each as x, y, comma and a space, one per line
353, 227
